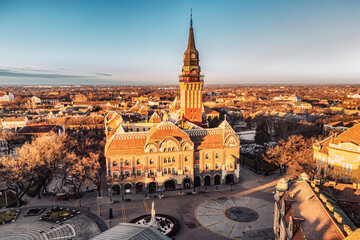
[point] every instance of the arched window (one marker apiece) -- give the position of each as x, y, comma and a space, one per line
186, 148
150, 151
217, 155
173, 159
169, 160
173, 149
151, 161
186, 159
169, 149
126, 162
115, 163
207, 156
138, 162
165, 160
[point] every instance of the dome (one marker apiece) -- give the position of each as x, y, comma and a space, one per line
282, 185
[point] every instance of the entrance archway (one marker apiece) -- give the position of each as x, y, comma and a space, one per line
116, 189
170, 185
186, 183
127, 188
197, 181
139, 187
229, 179
207, 180
152, 187
217, 180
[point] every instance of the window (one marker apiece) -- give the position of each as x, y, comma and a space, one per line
115, 175
165, 170
127, 174
173, 159
150, 151
197, 156
152, 173
217, 155
151, 161
186, 159
186, 148
137, 129
207, 166
144, 129
115, 164
217, 165
126, 162
173, 149
169, 149
165, 160
173, 171
138, 172
186, 169
138, 162
169, 160
207, 156
164, 149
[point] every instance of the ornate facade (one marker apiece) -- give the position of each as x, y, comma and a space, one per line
338, 156
172, 152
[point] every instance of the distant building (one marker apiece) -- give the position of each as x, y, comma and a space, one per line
339, 125
14, 122
338, 156
6, 97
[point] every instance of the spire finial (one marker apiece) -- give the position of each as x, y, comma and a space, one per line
191, 17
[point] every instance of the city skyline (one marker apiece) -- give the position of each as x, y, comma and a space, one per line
138, 42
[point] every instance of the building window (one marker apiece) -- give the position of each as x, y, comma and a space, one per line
186, 169
165, 170
115, 164
127, 174
169, 149
217, 165
173, 171
115, 175
150, 151
217, 155
173, 159
164, 149
173, 149
207, 166
186, 148
197, 157
126, 162
138, 162
138, 172
165, 160
152, 173
207, 156
186, 159
151, 161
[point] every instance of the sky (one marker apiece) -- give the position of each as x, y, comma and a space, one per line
138, 42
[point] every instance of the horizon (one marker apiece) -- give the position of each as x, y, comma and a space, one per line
141, 43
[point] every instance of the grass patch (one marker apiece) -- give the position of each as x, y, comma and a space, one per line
8, 216
59, 214
11, 199
32, 192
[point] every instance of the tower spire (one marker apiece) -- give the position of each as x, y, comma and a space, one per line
190, 17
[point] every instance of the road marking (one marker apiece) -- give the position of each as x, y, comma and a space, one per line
146, 206
232, 229
123, 211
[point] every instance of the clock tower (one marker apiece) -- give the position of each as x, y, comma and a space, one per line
191, 83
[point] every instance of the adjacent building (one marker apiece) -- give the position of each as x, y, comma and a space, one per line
338, 157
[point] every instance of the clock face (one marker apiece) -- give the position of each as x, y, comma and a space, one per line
193, 55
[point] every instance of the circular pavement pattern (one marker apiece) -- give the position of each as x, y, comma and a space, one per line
237, 217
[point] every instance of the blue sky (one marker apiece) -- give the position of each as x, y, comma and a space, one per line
142, 42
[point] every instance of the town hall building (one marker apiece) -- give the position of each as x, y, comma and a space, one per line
175, 149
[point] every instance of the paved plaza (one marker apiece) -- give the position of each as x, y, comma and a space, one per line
252, 198
237, 217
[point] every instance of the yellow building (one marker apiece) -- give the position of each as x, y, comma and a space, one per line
338, 157
173, 152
